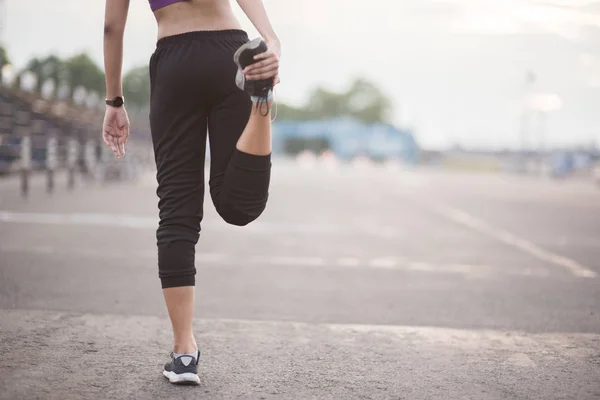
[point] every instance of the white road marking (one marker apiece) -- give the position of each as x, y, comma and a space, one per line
463, 218
111, 220
462, 268
292, 261
142, 222
348, 262
383, 262
377, 263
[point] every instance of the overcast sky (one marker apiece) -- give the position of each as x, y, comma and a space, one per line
455, 69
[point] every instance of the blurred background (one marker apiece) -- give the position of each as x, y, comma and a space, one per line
436, 181
511, 86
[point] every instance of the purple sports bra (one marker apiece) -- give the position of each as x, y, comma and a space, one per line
156, 4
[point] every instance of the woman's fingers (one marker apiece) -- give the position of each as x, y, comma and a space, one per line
266, 67
268, 73
120, 148
265, 54
262, 70
110, 142
115, 143
105, 138
268, 58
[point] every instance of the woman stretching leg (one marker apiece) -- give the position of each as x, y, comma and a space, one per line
207, 79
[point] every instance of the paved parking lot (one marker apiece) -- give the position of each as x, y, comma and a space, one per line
357, 282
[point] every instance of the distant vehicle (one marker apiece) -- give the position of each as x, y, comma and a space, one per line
347, 139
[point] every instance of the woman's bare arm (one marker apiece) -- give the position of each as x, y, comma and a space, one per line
256, 13
115, 128
114, 28
267, 64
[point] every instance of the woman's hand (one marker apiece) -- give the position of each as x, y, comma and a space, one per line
115, 130
267, 65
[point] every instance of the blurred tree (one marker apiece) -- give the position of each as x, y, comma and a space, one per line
325, 104
291, 113
363, 100
366, 102
34, 65
3, 57
81, 70
50, 67
17, 82
136, 88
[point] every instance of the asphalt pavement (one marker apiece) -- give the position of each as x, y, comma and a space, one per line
358, 282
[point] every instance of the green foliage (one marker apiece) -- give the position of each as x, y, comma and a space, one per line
324, 104
367, 103
50, 67
3, 57
362, 100
136, 88
287, 112
81, 70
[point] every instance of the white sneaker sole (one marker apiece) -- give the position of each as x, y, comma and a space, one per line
187, 378
240, 80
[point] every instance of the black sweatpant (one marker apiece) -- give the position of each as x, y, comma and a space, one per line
193, 90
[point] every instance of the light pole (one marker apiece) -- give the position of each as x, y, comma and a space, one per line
530, 79
543, 104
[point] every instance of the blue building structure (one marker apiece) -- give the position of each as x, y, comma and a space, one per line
346, 138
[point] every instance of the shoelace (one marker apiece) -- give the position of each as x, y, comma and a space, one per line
264, 100
259, 105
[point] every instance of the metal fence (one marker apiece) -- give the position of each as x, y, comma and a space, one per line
45, 136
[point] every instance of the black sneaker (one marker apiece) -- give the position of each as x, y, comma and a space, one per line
182, 370
243, 57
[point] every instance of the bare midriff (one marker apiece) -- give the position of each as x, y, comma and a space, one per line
195, 15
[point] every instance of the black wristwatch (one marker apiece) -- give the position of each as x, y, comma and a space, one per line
116, 102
